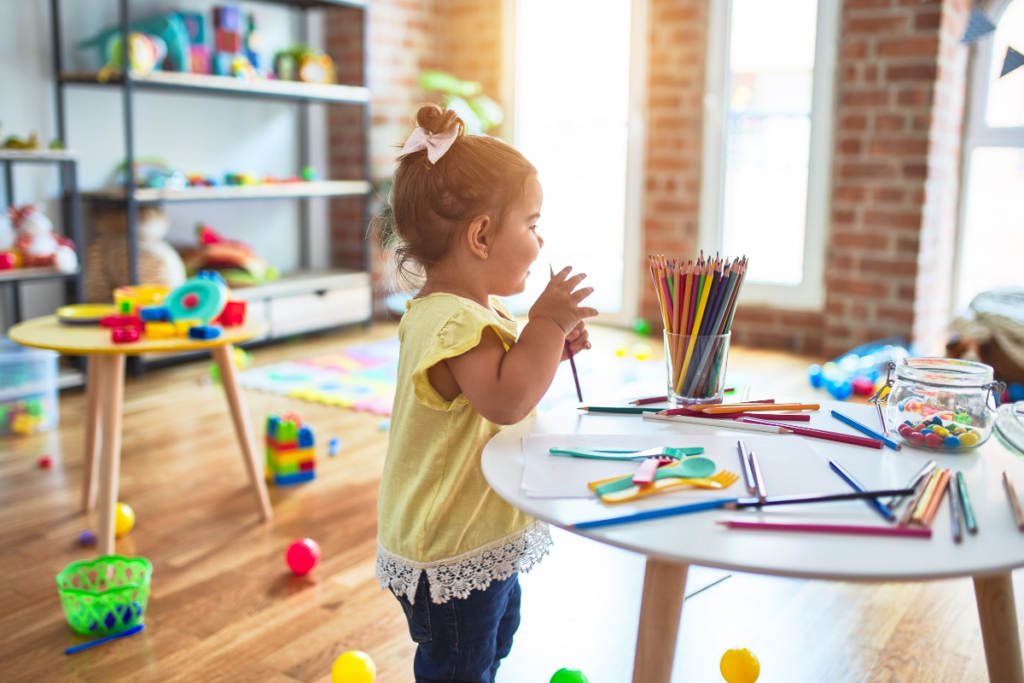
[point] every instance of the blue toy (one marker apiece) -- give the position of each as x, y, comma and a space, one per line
154, 314
202, 297
205, 332
859, 370
334, 447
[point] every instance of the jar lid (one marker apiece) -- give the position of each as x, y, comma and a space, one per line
1010, 426
944, 372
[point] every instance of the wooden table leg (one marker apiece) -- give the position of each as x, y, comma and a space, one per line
660, 611
92, 434
225, 357
111, 394
998, 615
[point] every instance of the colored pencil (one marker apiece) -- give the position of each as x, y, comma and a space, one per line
954, 512
829, 528
863, 428
786, 417
748, 475
965, 503
913, 483
749, 407
881, 418
753, 502
646, 401
857, 486
655, 514
106, 639
618, 410
925, 500
819, 433
755, 467
722, 424
921, 488
1014, 501
937, 496
745, 403
568, 352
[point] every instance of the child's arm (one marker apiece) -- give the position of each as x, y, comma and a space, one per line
505, 386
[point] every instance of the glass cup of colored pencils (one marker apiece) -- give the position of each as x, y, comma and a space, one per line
698, 301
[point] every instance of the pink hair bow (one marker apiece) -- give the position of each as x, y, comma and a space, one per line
436, 144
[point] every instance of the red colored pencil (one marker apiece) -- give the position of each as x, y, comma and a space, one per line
819, 433
788, 417
904, 531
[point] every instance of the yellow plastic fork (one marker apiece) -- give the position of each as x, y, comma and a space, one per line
720, 480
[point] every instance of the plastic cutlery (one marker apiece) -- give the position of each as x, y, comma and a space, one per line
677, 453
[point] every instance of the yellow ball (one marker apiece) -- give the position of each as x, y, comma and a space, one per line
740, 666
622, 351
353, 667
124, 520
641, 351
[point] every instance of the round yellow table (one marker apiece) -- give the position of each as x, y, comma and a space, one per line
105, 393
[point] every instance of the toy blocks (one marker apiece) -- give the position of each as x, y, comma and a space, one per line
291, 458
160, 330
204, 332
233, 314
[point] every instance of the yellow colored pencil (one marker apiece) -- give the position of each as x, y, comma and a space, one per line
929, 491
747, 408
693, 336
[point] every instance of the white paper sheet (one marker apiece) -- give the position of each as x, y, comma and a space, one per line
789, 465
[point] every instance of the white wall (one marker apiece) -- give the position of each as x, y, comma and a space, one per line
202, 134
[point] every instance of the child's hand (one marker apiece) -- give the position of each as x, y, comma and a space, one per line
560, 304
578, 340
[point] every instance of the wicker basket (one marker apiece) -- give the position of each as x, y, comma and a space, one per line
105, 596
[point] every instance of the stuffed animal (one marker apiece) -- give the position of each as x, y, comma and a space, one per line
234, 260
38, 245
107, 256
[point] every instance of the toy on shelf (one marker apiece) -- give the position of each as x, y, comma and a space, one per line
145, 52
860, 371
302, 556
168, 29
232, 55
234, 260
353, 667
303, 63
29, 144
106, 259
36, 242
291, 458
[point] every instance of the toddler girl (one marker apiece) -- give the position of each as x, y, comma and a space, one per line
464, 210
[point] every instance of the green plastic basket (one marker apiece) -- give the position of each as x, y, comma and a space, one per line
105, 596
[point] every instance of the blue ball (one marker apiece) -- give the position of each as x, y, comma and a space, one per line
1016, 392
840, 390
951, 442
814, 375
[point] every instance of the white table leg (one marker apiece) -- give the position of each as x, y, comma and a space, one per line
998, 615
91, 463
111, 393
660, 611
225, 357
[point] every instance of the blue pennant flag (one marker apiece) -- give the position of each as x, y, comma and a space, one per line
977, 26
1012, 61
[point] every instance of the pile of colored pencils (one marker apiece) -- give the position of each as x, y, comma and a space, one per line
698, 301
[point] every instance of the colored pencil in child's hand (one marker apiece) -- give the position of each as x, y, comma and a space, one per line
568, 352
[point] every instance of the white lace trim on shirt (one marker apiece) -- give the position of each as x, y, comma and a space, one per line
455, 577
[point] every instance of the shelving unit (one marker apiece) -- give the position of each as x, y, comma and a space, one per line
71, 215
304, 301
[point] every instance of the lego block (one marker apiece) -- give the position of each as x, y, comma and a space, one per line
205, 332
290, 468
233, 314
227, 17
125, 306
120, 320
297, 478
306, 437
200, 59
275, 458
228, 42
307, 466
124, 335
181, 327
148, 314
160, 330
282, 446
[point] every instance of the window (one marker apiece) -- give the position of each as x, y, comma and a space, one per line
579, 89
767, 143
991, 211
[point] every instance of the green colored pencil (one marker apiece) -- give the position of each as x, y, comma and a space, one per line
965, 500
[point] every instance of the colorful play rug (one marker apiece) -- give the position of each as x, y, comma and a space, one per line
364, 377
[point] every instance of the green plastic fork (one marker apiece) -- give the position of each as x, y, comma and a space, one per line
694, 468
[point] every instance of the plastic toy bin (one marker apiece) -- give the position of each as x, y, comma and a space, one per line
28, 389
105, 596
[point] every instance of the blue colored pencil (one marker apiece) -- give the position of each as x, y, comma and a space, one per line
99, 641
857, 486
866, 430
655, 514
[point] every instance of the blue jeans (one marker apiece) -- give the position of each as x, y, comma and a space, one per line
463, 641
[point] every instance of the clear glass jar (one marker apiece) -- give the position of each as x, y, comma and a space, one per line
940, 404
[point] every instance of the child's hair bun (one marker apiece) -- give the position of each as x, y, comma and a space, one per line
437, 120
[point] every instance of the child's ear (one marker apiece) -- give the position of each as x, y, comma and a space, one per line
480, 236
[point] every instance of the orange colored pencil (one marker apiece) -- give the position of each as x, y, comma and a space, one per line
933, 504
788, 407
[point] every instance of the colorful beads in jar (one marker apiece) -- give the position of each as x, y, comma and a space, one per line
938, 434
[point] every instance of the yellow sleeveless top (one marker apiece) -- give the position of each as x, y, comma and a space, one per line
436, 512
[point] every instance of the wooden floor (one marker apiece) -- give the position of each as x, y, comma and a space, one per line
224, 606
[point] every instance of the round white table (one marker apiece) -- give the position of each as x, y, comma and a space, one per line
672, 544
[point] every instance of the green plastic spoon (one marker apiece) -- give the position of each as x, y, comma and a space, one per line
694, 468
677, 453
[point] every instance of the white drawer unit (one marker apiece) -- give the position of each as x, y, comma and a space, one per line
312, 301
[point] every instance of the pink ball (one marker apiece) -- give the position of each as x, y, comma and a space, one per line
302, 556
